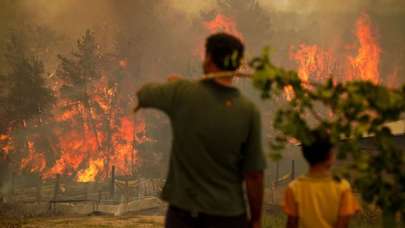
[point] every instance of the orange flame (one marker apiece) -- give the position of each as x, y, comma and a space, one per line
5, 143
313, 62
365, 66
35, 161
222, 23
90, 174
289, 93
94, 141
316, 64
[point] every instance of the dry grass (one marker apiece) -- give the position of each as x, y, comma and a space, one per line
86, 222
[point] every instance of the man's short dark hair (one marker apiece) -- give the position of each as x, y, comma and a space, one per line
225, 51
319, 150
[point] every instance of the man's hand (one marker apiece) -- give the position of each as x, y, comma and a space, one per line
255, 190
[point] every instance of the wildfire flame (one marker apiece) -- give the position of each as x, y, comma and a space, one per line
89, 142
90, 174
6, 147
222, 23
316, 64
365, 66
35, 161
313, 62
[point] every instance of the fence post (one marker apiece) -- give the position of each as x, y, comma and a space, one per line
112, 187
292, 169
86, 190
277, 172
52, 203
12, 190
56, 187
39, 188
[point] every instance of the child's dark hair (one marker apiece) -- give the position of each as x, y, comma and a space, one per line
319, 150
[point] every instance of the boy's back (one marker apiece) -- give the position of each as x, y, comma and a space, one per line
318, 201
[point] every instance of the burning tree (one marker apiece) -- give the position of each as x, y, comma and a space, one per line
78, 75
92, 126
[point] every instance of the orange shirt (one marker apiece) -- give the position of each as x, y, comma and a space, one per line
319, 201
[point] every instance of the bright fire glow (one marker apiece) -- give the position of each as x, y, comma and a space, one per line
89, 141
225, 24
313, 62
365, 66
90, 174
34, 161
317, 64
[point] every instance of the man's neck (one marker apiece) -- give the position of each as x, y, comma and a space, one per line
224, 81
228, 81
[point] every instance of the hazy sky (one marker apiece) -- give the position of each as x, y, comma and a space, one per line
333, 5
195, 6
53, 9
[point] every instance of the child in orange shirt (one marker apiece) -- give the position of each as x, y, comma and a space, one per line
317, 199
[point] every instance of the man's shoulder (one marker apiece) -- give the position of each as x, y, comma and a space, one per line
181, 85
183, 82
248, 104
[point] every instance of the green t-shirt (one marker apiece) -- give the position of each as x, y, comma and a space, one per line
216, 139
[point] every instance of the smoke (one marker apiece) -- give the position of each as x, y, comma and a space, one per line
308, 6
68, 16
193, 8
161, 37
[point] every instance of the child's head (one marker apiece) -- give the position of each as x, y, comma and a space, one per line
319, 152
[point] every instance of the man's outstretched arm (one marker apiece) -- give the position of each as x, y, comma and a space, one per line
161, 96
255, 191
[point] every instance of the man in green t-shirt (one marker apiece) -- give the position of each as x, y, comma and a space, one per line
216, 144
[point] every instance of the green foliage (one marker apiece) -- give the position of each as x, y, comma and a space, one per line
347, 113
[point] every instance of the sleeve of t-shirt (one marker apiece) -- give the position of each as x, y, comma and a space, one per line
253, 154
289, 204
348, 203
159, 96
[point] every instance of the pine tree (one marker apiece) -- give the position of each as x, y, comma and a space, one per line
25, 97
27, 94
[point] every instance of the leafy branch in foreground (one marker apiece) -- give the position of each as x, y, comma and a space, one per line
347, 113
